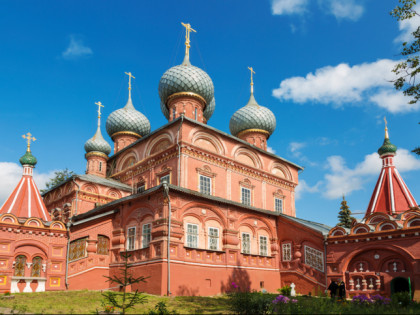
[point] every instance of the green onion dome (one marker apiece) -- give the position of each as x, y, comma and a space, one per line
98, 144
252, 117
28, 159
127, 119
387, 147
187, 78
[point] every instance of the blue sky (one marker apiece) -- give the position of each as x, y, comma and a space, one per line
322, 66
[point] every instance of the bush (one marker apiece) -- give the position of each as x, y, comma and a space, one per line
286, 290
161, 309
249, 302
401, 298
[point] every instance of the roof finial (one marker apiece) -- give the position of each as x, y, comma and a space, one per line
129, 83
99, 112
386, 129
252, 81
188, 30
29, 138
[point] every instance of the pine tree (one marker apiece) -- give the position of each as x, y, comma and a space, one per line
344, 216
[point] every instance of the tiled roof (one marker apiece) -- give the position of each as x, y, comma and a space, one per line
322, 228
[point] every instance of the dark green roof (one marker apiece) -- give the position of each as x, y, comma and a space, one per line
387, 147
28, 159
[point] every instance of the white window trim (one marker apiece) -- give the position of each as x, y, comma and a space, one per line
250, 196
283, 247
217, 239
282, 204
266, 244
242, 243
320, 255
199, 184
143, 234
198, 235
134, 238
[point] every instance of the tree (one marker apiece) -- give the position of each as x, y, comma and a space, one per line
124, 300
59, 177
344, 216
408, 69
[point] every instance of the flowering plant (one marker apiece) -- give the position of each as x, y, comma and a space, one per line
7, 293
109, 309
378, 299
361, 299
281, 299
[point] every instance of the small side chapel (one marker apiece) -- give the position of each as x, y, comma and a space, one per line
197, 209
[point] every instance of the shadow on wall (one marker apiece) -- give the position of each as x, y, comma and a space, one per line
183, 290
238, 280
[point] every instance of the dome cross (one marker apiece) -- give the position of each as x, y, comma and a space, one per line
188, 30
252, 81
386, 129
28, 138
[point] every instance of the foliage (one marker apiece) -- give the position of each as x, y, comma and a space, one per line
286, 290
7, 293
59, 177
124, 300
401, 298
249, 302
408, 69
344, 216
161, 309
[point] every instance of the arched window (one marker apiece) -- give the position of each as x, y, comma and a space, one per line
78, 249
36, 267
103, 245
20, 266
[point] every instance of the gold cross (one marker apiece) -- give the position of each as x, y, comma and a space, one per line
386, 123
188, 30
29, 138
252, 72
129, 79
386, 129
99, 108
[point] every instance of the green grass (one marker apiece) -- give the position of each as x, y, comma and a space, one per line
88, 302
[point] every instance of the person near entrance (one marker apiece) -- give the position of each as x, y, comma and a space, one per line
341, 290
333, 289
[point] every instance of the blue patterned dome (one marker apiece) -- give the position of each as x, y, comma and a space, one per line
127, 119
252, 116
98, 144
186, 78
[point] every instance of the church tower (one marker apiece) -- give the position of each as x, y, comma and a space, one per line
391, 194
253, 123
187, 90
97, 150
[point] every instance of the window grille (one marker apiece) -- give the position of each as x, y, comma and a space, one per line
192, 235
287, 252
246, 196
314, 258
103, 245
131, 238
78, 249
36, 267
165, 178
263, 246
205, 185
279, 205
146, 235
246, 243
20, 266
213, 238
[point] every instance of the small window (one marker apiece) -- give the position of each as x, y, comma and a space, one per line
173, 113
131, 238
287, 251
246, 196
205, 185
263, 246
165, 178
146, 235
278, 205
246, 243
192, 235
213, 238
103, 245
36, 267
20, 264
100, 166
195, 113
141, 188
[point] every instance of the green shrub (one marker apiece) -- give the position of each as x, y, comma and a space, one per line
250, 302
401, 298
161, 309
286, 290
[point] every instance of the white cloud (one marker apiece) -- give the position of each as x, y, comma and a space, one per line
271, 150
284, 7
295, 148
345, 9
11, 173
344, 84
76, 49
343, 180
407, 27
303, 187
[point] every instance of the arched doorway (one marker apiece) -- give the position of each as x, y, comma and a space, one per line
399, 284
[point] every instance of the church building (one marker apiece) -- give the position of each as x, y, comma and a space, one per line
197, 209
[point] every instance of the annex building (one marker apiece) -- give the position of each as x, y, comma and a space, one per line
198, 209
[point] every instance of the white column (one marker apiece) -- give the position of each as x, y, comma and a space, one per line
14, 287
28, 288
41, 286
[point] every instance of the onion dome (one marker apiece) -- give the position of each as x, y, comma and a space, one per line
98, 144
252, 117
186, 78
127, 119
28, 159
387, 147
